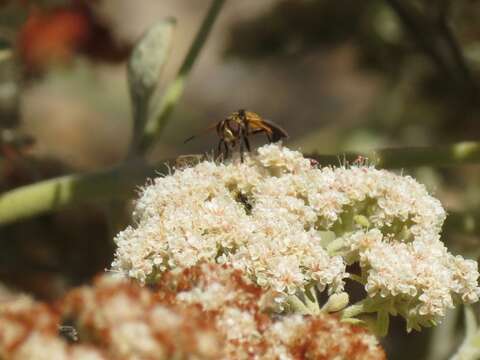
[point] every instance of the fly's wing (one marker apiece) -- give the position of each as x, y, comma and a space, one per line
255, 124
203, 132
278, 133
274, 131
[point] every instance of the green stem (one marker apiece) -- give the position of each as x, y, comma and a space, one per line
470, 348
50, 195
367, 305
174, 91
443, 339
297, 305
119, 182
311, 300
467, 152
356, 309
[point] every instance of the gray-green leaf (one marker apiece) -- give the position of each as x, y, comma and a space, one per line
144, 68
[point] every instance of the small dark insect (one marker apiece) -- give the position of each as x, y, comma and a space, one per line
314, 163
238, 126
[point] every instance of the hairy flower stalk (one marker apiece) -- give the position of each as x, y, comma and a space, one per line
291, 227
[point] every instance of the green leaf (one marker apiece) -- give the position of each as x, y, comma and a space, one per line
144, 68
174, 90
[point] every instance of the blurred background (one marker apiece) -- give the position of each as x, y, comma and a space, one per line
338, 75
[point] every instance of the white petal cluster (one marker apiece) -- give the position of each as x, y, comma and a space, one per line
287, 224
249, 215
420, 278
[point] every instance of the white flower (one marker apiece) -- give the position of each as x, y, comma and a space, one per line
288, 224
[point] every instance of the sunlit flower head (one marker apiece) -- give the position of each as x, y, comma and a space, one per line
289, 225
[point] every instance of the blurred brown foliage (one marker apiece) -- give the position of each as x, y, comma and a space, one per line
391, 38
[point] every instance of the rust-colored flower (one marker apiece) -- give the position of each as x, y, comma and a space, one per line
204, 312
52, 36
55, 35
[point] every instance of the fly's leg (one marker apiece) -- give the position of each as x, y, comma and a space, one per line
227, 150
244, 139
246, 132
241, 149
219, 148
247, 142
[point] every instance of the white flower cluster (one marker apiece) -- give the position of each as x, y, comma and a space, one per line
289, 224
238, 214
420, 279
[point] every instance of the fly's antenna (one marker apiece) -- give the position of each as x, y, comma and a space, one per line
189, 139
211, 127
